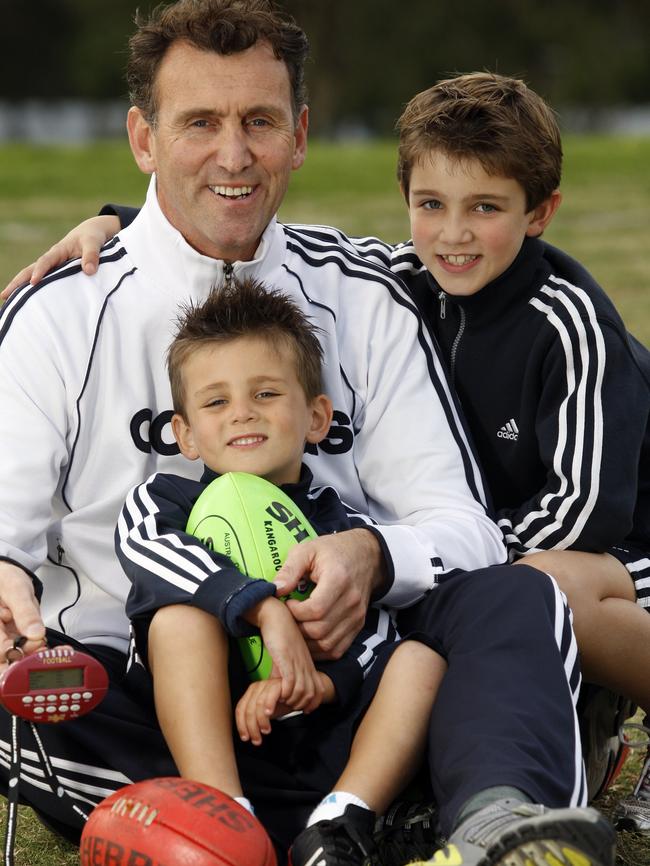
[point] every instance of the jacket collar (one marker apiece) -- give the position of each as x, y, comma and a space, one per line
297, 492
161, 252
514, 286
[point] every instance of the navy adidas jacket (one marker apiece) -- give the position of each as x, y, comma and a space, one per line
556, 393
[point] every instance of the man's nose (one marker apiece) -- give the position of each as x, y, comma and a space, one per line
233, 151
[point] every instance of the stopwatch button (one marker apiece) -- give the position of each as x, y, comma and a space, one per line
75, 707
39, 710
87, 696
40, 699
28, 699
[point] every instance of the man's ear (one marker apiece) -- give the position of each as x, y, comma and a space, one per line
141, 140
321, 418
183, 435
541, 216
300, 138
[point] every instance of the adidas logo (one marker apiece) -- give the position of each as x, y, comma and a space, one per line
509, 431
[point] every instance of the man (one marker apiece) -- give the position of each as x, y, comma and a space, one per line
219, 120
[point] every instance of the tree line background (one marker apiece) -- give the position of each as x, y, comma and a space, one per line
368, 56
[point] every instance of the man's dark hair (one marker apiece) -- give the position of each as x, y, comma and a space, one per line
223, 26
246, 309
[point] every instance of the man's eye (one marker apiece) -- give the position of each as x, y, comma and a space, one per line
202, 123
258, 122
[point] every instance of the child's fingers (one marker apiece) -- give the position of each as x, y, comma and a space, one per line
317, 696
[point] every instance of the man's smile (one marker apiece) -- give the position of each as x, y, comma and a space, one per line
238, 192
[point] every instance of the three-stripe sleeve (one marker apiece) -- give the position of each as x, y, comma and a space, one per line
588, 430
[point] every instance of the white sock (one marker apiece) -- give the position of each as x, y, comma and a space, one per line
246, 803
334, 805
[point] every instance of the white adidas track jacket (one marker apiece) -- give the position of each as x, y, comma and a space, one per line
85, 407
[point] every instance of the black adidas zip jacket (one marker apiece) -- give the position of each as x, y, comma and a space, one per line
556, 393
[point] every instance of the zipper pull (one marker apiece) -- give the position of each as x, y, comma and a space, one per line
59, 552
442, 297
227, 273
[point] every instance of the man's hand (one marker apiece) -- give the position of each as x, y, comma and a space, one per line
346, 568
84, 240
19, 612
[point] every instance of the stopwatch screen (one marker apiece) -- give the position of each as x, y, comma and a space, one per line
56, 679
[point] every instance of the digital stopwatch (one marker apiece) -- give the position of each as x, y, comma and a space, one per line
53, 685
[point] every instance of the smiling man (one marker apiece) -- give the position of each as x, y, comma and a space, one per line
219, 120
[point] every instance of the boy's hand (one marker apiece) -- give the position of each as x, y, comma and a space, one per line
346, 568
261, 703
84, 240
256, 708
292, 662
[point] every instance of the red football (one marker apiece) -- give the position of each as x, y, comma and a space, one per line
173, 822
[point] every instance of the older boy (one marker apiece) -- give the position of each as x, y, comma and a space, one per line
245, 371
555, 390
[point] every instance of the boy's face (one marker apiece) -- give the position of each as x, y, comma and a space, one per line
467, 225
246, 410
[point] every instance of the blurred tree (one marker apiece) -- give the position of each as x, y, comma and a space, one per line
369, 56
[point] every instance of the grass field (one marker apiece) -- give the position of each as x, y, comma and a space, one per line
604, 222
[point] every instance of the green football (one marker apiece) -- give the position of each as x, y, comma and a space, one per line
254, 524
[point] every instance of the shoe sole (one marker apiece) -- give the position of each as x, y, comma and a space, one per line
526, 848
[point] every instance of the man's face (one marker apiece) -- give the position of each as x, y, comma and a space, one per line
467, 225
246, 410
223, 145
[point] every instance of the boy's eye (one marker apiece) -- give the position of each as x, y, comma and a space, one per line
266, 394
218, 401
432, 204
484, 207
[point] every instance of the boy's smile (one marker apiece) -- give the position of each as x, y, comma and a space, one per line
246, 410
467, 225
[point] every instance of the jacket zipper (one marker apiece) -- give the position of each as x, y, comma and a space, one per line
228, 273
457, 339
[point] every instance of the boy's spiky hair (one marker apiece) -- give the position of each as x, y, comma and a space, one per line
245, 309
497, 120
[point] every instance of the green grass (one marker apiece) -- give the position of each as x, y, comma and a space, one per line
604, 221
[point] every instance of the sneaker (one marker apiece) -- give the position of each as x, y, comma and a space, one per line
601, 718
343, 841
524, 834
408, 831
633, 813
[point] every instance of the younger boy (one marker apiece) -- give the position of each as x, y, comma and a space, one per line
555, 391
245, 370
